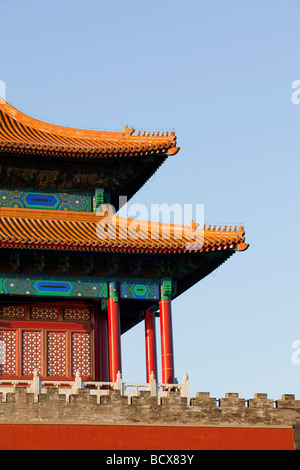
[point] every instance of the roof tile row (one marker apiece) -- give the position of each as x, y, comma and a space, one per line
88, 231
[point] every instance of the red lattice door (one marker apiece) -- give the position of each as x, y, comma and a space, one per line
54, 341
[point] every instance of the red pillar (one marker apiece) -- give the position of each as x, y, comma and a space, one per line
150, 340
167, 356
103, 347
114, 332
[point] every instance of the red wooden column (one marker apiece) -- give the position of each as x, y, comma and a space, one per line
103, 347
167, 355
101, 343
150, 340
114, 332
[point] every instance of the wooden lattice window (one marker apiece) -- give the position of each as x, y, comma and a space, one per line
31, 351
50, 312
12, 311
44, 313
8, 363
81, 353
56, 353
77, 314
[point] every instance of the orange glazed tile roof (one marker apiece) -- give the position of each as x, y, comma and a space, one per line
31, 228
23, 134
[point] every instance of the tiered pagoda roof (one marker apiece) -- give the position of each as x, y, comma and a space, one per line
35, 155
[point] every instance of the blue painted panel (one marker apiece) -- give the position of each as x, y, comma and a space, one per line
39, 200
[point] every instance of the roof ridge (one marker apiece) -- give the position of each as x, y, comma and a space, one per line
224, 229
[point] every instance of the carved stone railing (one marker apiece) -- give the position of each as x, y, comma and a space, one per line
99, 389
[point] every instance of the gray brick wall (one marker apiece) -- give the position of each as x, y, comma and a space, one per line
52, 407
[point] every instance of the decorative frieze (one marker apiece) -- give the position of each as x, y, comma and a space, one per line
103, 288
146, 290
33, 286
45, 200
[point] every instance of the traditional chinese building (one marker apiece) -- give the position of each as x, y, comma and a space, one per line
73, 278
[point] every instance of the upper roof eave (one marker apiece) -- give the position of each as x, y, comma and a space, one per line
20, 132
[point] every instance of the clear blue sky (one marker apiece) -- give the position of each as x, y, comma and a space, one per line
220, 74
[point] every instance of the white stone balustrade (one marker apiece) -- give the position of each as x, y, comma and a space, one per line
98, 389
